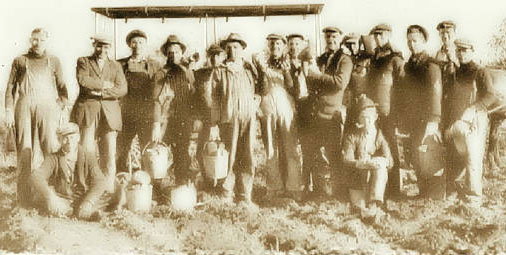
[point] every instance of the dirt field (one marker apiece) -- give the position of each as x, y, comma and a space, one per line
411, 226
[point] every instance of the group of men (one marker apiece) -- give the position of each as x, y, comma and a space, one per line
344, 108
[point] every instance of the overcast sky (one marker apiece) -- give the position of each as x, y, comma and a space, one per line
71, 23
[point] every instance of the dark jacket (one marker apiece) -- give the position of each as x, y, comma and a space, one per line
58, 172
473, 87
90, 78
329, 86
421, 91
385, 73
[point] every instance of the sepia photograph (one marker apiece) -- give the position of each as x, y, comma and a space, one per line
262, 127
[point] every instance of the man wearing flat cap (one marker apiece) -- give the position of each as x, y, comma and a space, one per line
173, 96
469, 100
447, 57
384, 76
137, 105
60, 187
97, 110
421, 96
34, 98
321, 138
278, 122
236, 83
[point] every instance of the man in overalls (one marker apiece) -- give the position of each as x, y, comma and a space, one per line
36, 78
97, 110
279, 131
136, 106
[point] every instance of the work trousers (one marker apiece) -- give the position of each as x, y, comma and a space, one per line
239, 137
106, 147
465, 171
387, 125
136, 121
322, 136
279, 135
178, 134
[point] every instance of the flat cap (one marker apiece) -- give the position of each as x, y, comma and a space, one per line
102, 39
214, 49
290, 36
332, 29
463, 43
135, 33
351, 38
233, 37
68, 128
276, 37
172, 39
418, 29
383, 27
446, 24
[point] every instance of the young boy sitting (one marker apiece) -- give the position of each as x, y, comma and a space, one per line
367, 157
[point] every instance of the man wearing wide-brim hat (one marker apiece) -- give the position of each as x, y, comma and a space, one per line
384, 75
236, 84
475, 82
173, 97
97, 110
137, 105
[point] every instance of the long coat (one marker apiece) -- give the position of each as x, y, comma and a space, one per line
88, 107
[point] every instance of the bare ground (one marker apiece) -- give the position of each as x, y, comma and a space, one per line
320, 226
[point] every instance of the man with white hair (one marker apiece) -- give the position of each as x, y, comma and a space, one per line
36, 79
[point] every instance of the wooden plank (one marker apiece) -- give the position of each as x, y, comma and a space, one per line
211, 11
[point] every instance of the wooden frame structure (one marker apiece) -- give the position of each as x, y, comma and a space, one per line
209, 12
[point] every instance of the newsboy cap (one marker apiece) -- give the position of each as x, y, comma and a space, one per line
276, 37
463, 43
351, 38
172, 39
332, 29
135, 33
446, 24
102, 39
419, 29
68, 128
214, 49
383, 27
290, 36
233, 37
363, 102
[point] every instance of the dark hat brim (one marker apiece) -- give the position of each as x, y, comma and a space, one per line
134, 34
164, 47
223, 43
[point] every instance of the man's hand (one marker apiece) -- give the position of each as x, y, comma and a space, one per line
379, 162
96, 93
9, 118
432, 128
469, 114
197, 126
156, 134
107, 85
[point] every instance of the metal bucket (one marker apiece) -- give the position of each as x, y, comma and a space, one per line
157, 159
215, 160
431, 157
139, 197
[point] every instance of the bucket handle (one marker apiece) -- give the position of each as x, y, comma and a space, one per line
153, 143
